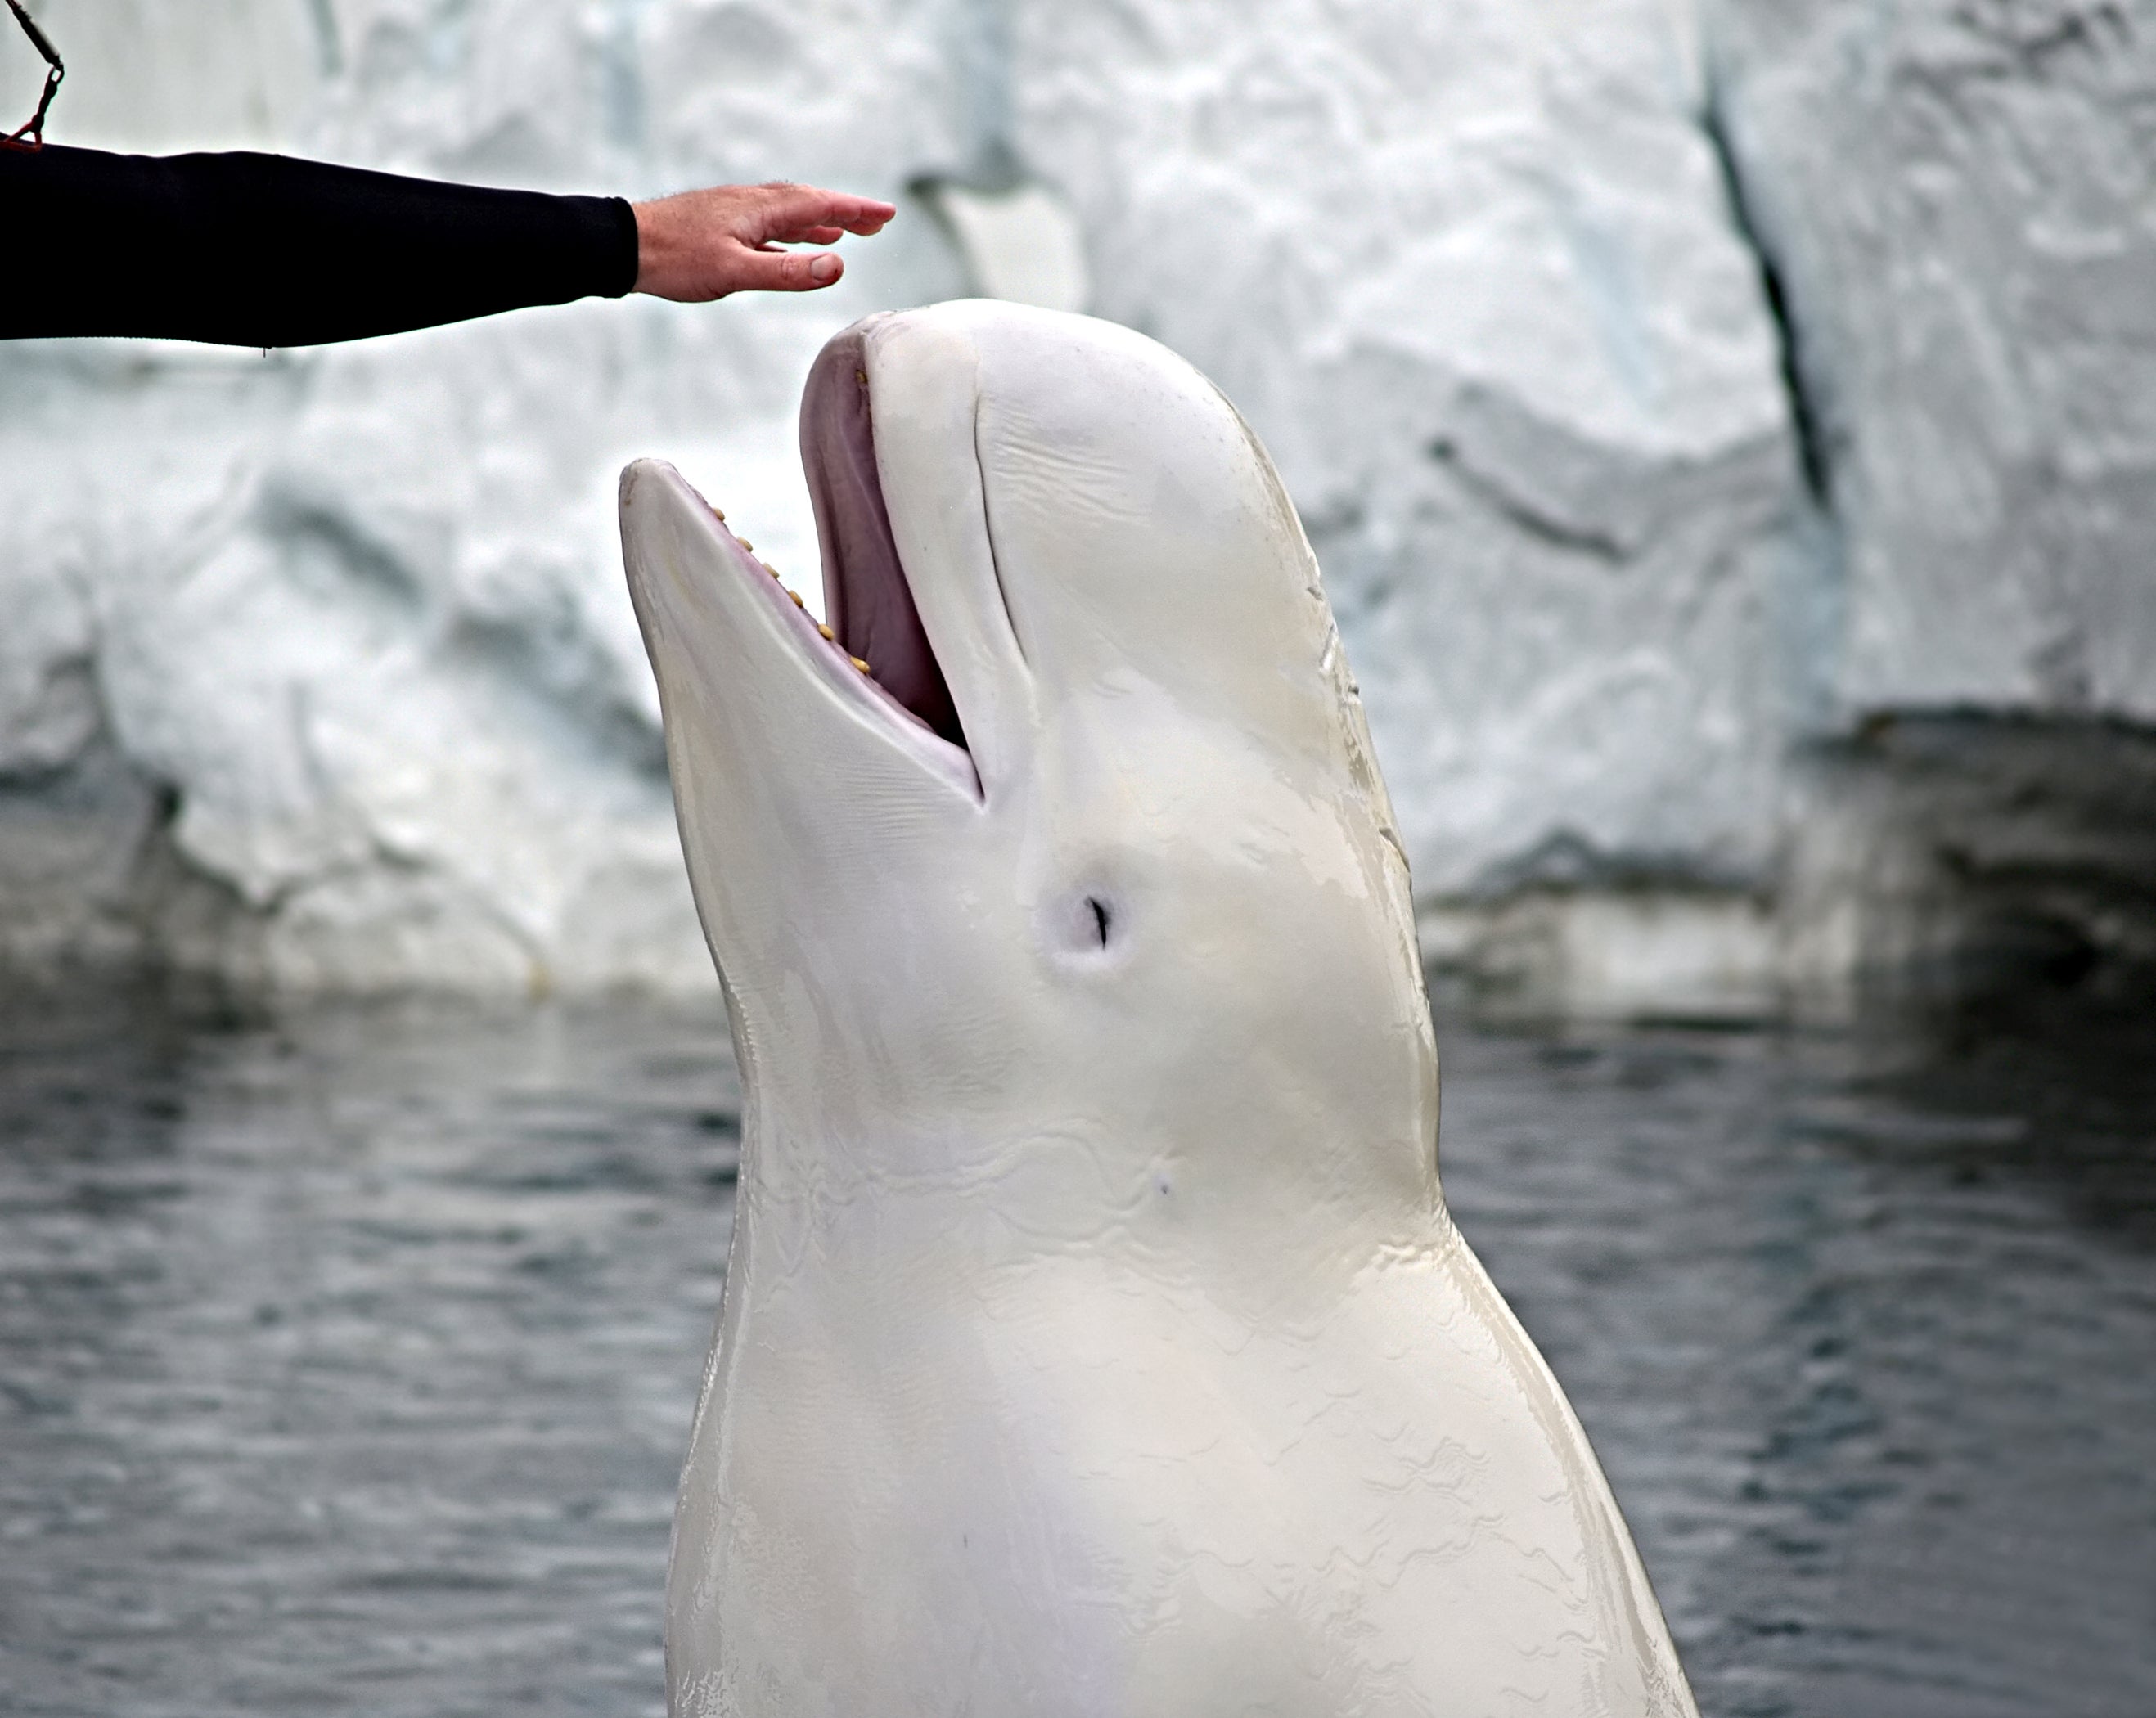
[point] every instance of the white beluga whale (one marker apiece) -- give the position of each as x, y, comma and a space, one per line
1096, 1342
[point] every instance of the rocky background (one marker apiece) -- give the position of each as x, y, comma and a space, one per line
1728, 430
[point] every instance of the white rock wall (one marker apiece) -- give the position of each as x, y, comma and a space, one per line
1960, 198
317, 667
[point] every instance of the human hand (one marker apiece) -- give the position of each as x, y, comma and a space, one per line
704, 244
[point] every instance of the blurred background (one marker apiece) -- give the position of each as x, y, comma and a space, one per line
1727, 428
1728, 431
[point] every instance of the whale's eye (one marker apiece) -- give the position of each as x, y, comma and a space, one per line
1086, 928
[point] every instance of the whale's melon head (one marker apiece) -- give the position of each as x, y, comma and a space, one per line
1087, 878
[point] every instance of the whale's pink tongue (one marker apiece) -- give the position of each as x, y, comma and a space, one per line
865, 597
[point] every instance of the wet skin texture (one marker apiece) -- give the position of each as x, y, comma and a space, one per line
1096, 1339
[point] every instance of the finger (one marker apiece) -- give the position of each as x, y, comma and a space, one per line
783, 271
809, 204
798, 207
804, 235
823, 233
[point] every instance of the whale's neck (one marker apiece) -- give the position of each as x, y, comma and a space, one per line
1329, 1197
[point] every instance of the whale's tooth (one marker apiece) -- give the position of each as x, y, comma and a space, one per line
717, 513
830, 637
859, 663
796, 595
747, 548
861, 376
768, 568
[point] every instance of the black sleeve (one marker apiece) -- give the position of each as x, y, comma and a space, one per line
261, 250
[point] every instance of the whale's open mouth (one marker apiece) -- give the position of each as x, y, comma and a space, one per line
866, 596
873, 650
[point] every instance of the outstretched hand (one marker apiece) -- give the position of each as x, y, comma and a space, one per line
704, 244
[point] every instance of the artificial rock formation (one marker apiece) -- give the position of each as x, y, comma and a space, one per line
1674, 394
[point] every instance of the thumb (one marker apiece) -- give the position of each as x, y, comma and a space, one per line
785, 271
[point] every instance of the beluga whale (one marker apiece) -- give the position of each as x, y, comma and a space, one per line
1096, 1342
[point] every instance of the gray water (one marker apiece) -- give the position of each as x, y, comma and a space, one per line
346, 1354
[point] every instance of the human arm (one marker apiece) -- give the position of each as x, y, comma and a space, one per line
262, 250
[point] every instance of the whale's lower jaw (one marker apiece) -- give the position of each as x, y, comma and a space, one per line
682, 557
1074, 1492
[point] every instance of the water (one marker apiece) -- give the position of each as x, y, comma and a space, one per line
346, 1354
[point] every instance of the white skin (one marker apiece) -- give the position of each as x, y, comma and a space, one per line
702, 246
1095, 1343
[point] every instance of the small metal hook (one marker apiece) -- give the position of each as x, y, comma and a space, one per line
32, 135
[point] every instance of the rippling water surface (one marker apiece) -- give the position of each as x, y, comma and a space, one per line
346, 1354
